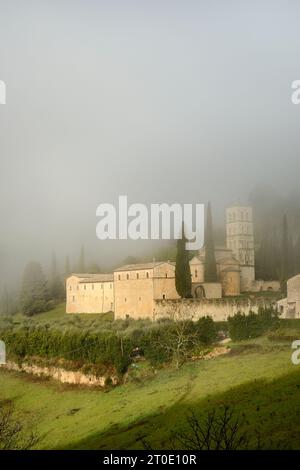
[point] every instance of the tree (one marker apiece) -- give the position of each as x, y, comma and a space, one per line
12, 433
67, 267
94, 268
56, 285
34, 294
284, 255
81, 265
8, 302
218, 430
178, 337
183, 279
210, 267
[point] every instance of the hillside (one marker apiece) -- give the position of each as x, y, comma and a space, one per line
257, 378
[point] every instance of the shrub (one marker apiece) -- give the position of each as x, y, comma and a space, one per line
243, 326
206, 330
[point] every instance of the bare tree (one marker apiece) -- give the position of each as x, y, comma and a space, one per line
179, 336
216, 431
13, 436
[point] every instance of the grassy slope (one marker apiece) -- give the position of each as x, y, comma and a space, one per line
59, 313
261, 381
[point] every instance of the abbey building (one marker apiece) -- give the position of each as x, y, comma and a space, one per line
133, 290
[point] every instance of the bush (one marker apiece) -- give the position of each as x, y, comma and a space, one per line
243, 326
206, 330
109, 344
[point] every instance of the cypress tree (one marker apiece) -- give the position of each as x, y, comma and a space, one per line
56, 285
67, 267
183, 279
210, 267
82, 261
284, 255
34, 293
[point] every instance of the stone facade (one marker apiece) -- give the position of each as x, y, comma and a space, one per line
218, 309
137, 286
240, 239
228, 271
290, 306
89, 293
134, 290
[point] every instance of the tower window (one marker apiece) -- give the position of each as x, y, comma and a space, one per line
196, 273
164, 296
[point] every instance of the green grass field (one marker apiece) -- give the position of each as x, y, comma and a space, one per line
257, 378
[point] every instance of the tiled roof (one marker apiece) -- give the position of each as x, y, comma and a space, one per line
86, 277
142, 266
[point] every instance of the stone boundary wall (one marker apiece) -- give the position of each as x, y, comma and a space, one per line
62, 375
218, 309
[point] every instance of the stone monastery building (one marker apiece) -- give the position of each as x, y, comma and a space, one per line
133, 290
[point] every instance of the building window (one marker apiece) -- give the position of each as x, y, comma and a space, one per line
166, 274
70, 287
77, 287
125, 299
73, 298
119, 277
137, 275
84, 286
110, 286
147, 275
101, 286
92, 286
164, 296
140, 298
196, 273
127, 276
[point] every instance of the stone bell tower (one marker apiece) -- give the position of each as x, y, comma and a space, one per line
240, 239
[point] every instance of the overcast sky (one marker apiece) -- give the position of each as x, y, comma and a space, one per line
163, 101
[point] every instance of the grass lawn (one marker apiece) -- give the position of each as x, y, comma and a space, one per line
59, 313
257, 378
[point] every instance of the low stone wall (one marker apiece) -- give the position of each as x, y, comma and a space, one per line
219, 309
62, 375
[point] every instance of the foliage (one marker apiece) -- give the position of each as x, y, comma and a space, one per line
210, 267
34, 295
100, 341
217, 430
13, 436
243, 326
183, 279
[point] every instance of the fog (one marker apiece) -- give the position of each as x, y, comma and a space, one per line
162, 101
